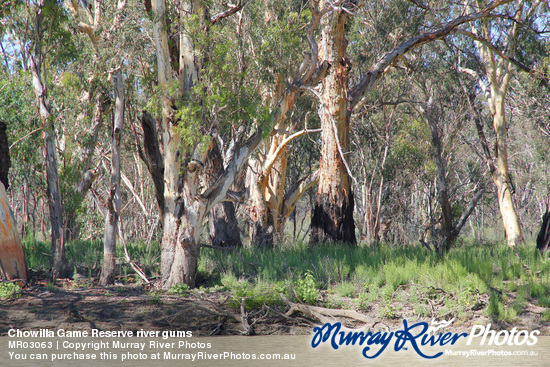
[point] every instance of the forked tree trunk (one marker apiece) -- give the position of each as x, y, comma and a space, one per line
449, 231
113, 203
223, 225
181, 246
266, 200
332, 218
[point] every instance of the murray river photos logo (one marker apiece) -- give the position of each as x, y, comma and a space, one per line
419, 337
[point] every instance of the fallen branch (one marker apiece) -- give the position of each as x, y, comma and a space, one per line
129, 260
325, 315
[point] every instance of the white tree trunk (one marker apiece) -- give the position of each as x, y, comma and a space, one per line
113, 203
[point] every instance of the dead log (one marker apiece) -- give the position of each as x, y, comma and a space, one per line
326, 315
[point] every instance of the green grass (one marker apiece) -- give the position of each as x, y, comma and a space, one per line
460, 281
9, 290
489, 277
88, 255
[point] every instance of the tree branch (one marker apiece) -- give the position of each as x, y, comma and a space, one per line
216, 18
369, 79
469, 209
270, 161
297, 191
218, 191
544, 78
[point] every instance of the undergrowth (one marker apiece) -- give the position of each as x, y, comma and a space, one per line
490, 278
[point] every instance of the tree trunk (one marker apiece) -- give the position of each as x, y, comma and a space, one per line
223, 225
184, 225
501, 177
332, 218
441, 172
543, 238
153, 158
59, 262
498, 73
266, 199
12, 257
5, 162
113, 203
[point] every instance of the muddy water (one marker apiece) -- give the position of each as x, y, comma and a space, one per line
252, 351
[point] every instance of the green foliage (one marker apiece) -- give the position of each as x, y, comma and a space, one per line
306, 288
36, 253
253, 295
154, 298
9, 290
179, 289
345, 289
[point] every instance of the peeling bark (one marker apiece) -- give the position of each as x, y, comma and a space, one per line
332, 216
12, 257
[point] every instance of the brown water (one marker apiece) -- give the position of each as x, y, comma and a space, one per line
249, 351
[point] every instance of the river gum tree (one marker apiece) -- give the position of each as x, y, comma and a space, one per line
332, 214
186, 202
497, 73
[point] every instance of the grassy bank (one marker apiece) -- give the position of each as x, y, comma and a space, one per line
500, 282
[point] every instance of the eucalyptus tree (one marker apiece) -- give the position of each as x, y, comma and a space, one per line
497, 73
195, 109
332, 215
500, 42
185, 145
280, 47
36, 58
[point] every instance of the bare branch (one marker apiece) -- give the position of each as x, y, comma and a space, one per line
270, 161
217, 192
24, 137
297, 191
216, 18
469, 209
